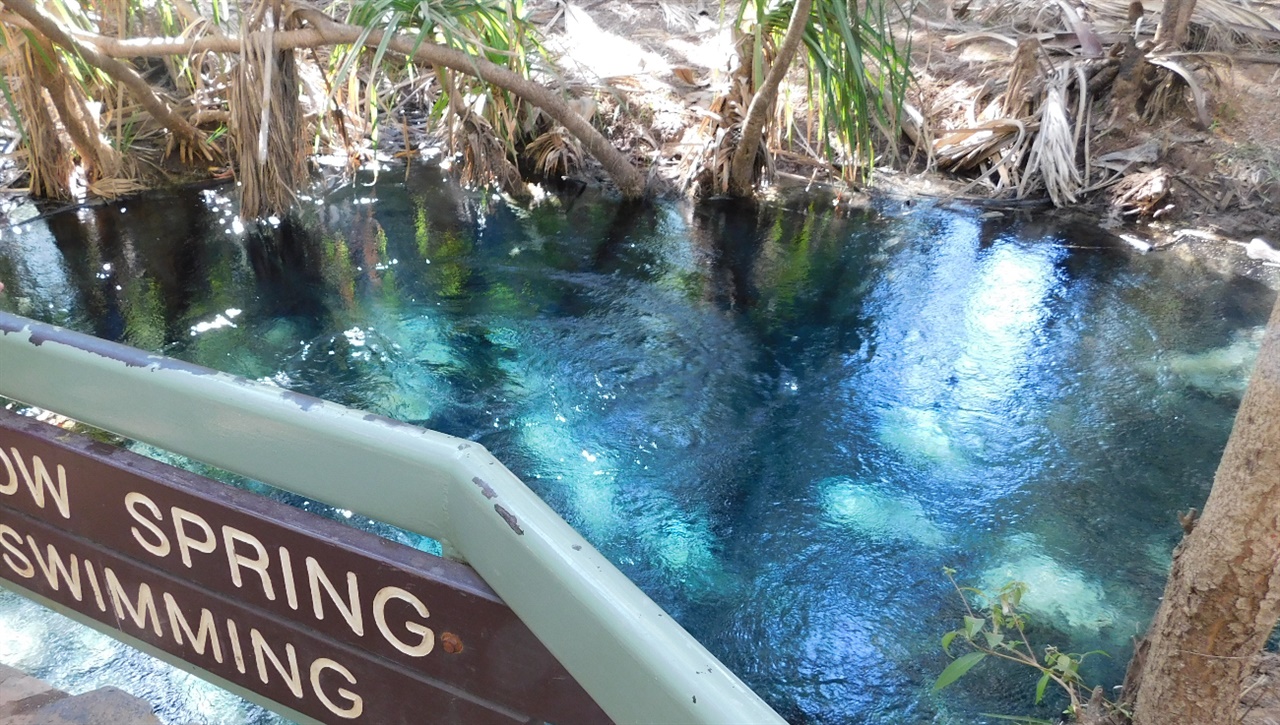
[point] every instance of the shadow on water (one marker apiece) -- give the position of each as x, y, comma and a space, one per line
780, 420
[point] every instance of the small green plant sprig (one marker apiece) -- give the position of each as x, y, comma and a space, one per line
994, 626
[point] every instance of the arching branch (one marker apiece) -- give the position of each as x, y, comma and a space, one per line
627, 177
322, 30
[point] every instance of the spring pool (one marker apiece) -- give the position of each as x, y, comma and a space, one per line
780, 421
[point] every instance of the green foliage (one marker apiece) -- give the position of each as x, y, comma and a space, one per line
486, 124
497, 31
857, 73
993, 626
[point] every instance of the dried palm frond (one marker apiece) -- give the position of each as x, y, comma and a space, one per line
1219, 17
485, 158
97, 158
555, 153
1255, 22
48, 161
1053, 153
1023, 86
1164, 88
110, 188
679, 17
964, 149
1139, 195
704, 168
266, 124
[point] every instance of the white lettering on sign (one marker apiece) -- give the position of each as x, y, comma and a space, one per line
290, 588
10, 481
93, 582
54, 566
137, 610
350, 610
182, 517
352, 711
245, 552
131, 501
207, 636
37, 479
234, 633
236, 560
330, 595
427, 638
262, 652
12, 554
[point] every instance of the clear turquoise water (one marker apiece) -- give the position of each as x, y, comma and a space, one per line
780, 422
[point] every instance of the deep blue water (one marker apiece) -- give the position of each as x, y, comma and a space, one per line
781, 422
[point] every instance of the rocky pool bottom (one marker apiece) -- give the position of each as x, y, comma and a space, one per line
781, 421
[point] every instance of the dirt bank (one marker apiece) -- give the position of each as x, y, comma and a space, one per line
655, 69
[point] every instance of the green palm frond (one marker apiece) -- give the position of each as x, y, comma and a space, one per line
490, 29
857, 73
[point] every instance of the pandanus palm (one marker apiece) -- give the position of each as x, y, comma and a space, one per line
857, 75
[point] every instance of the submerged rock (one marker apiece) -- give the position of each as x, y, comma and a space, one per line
1219, 371
1059, 594
875, 514
918, 434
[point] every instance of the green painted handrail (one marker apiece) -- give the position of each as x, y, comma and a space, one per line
638, 663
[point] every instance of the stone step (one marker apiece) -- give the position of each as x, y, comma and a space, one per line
25, 700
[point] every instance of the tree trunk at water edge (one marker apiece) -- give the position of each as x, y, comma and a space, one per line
741, 166
1222, 599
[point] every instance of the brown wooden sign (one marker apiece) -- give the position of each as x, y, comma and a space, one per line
333, 622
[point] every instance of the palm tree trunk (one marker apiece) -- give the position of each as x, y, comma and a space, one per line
741, 167
1175, 20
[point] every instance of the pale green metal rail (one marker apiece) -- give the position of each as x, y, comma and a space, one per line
638, 664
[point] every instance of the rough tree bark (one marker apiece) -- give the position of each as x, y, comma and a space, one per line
744, 156
1175, 20
1222, 599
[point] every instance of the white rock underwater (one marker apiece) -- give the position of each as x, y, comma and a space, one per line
873, 513
1221, 370
1061, 595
